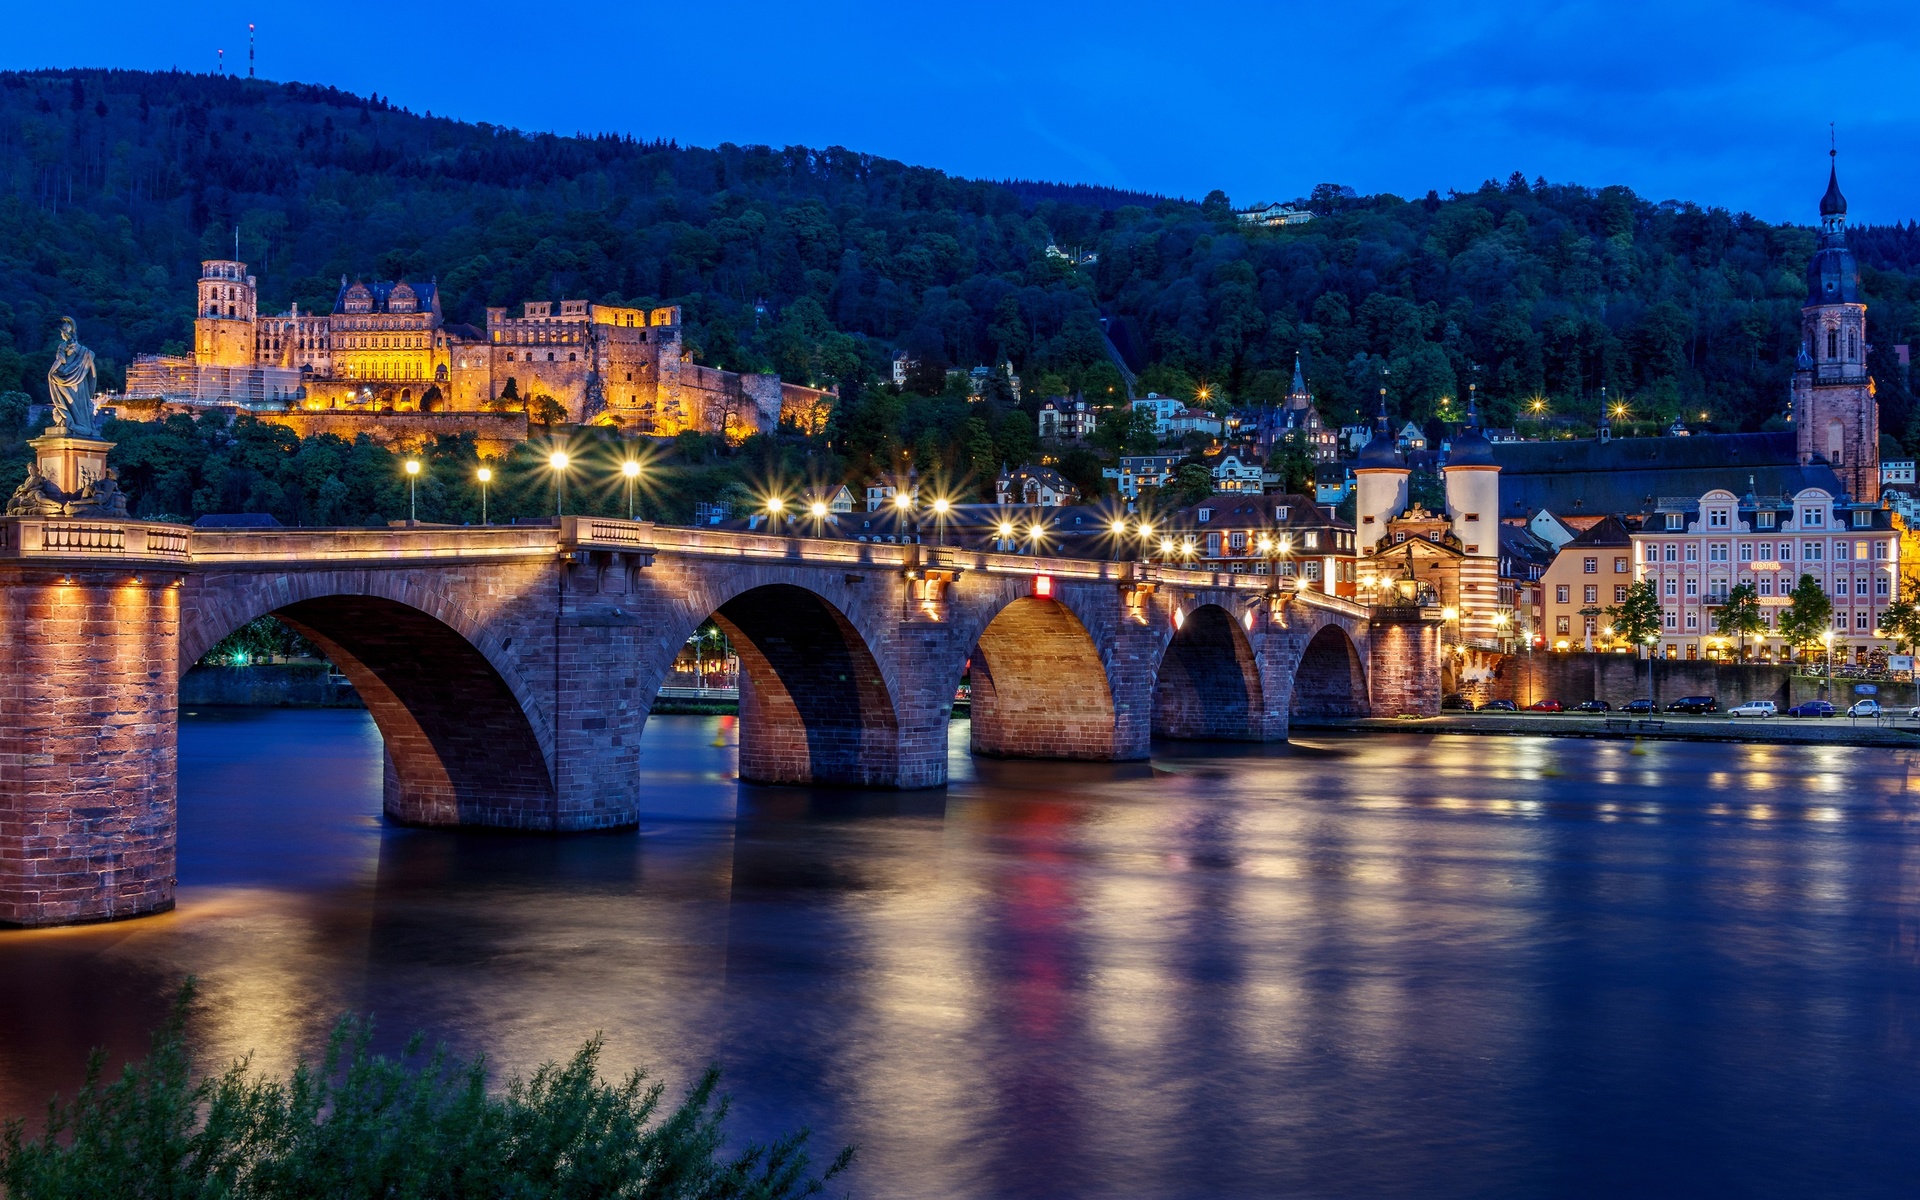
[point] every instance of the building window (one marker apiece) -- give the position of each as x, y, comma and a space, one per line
1811, 551
1833, 343
1693, 587
1620, 566
1673, 551
1238, 541
1693, 552
1619, 593
1591, 594
1863, 518
1812, 518
1563, 625
1766, 585
1717, 552
1279, 513
1590, 566
1840, 622
1206, 514
1860, 621
1561, 593
1746, 551
1880, 550
1676, 521
1669, 620
1717, 518
1693, 622
1786, 551
1763, 520
1672, 587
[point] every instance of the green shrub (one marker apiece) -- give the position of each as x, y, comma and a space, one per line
416, 1127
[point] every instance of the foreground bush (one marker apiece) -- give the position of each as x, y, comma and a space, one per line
364, 1125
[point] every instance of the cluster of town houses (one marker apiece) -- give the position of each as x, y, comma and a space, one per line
1535, 540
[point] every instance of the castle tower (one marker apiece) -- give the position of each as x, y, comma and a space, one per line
1380, 484
1835, 418
1473, 508
223, 322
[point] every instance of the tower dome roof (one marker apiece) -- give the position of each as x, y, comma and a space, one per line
1381, 454
1833, 204
1470, 449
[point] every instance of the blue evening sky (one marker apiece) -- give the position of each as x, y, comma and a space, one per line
1720, 103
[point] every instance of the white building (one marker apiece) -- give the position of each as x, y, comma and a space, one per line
1141, 470
1232, 475
1896, 470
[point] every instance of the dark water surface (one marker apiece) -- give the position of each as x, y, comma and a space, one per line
1380, 966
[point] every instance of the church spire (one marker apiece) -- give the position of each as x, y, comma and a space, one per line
1299, 381
1833, 205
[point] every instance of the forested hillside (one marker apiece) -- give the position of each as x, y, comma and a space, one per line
821, 263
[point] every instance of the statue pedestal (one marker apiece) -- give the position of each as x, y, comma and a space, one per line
71, 463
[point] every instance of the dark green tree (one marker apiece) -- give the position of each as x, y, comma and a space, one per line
1739, 616
1808, 617
1636, 619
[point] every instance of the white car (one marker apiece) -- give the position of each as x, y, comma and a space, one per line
1754, 708
1864, 708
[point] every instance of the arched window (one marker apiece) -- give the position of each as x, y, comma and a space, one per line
1836, 443
1833, 343
1853, 343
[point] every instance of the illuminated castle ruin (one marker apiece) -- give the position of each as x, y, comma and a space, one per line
386, 347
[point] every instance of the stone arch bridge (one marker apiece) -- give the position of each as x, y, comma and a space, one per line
511, 669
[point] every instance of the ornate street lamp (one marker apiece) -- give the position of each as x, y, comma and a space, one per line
631, 470
558, 461
413, 505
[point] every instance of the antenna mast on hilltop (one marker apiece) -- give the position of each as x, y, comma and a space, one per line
249, 49
220, 62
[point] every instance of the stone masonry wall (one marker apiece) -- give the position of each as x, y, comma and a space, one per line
1618, 678
87, 770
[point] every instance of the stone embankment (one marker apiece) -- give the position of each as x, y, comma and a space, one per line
1716, 727
277, 685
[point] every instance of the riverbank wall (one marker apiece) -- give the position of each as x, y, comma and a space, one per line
268, 686
1672, 727
1618, 678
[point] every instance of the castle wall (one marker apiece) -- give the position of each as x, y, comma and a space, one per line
495, 433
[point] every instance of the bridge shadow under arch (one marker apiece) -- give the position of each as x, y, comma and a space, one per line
1208, 686
460, 749
814, 706
1330, 680
1040, 689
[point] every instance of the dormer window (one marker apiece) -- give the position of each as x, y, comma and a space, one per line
1812, 518
1763, 520
1717, 518
1863, 518
1676, 521
1206, 514
1280, 512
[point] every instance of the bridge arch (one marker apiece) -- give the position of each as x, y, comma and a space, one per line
817, 704
1331, 678
1209, 685
1040, 685
466, 743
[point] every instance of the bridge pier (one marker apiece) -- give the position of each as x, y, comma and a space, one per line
87, 752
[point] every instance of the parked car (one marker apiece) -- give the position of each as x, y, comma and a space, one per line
1593, 706
1641, 707
1695, 705
1498, 706
1754, 708
1913, 714
1812, 708
1454, 700
1545, 706
1864, 708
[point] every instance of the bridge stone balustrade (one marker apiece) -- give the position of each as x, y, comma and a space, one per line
511, 669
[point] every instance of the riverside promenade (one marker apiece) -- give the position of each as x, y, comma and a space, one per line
1715, 727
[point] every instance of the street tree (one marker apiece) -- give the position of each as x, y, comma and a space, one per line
1809, 615
1739, 616
1901, 622
1637, 618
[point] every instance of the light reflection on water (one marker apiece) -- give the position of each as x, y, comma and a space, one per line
1391, 966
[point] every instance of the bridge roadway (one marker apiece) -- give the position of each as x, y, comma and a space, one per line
510, 669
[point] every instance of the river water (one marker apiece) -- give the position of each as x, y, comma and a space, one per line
1357, 966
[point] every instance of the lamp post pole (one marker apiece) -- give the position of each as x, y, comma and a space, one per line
631, 469
558, 461
413, 503
1651, 638
486, 476
1827, 639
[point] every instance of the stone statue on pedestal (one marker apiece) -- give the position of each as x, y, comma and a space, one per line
70, 477
70, 383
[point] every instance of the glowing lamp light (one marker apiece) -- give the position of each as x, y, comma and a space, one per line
1146, 530
1118, 528
484, 474
818, 509
1166, 545
1246, 618
557, 460
630, 468
775, 504
1449, 613
1043, 586
941, 505
413, 466
903, 501
1006, 529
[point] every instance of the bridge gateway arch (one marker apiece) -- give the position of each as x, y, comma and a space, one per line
511, 669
